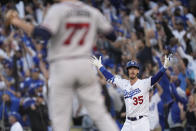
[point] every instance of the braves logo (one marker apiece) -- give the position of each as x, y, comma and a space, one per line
131, 93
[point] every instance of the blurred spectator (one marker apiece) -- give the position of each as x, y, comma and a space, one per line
9, 103
191, 113
177, 107
14, 118
38, 114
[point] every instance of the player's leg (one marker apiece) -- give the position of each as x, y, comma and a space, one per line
93, 101
126, 126
89, 94
60, 107
141, 124
60, 97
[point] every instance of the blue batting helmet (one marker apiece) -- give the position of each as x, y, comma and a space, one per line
132, 64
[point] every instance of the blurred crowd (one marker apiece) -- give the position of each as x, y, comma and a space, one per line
146, 30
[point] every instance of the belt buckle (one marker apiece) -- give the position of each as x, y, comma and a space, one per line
132, 118
135, 118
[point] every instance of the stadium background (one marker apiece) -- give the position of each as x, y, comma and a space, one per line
145, 29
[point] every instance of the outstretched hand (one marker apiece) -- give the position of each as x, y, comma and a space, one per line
167, 61
96, 62
9, 16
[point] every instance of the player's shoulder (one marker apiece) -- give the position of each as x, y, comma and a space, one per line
55, 7
120, 82
64, 5
120, 79
61, 8
146, 79
74, 5
125, 81
91, 8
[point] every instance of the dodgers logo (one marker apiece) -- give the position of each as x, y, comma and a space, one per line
131, 93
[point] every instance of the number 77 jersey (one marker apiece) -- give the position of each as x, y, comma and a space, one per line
73, 26
136, 96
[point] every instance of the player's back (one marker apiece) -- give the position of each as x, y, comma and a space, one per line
74, 29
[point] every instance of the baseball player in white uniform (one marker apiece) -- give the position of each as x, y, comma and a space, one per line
136, 93
71, 26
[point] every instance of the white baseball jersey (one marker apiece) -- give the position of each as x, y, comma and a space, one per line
154, 115
136, 96
74, 29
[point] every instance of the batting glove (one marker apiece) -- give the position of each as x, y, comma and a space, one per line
167, 61
96, 62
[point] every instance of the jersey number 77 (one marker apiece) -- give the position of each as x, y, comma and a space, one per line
75, 28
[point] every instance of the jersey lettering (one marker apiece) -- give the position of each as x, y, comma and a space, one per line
131, 93
75, 28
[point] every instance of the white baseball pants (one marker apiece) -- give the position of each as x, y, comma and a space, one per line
138, 125
76, 76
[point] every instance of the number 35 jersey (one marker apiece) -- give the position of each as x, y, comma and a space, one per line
136, 96
73, 26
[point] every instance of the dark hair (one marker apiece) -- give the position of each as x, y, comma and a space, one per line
173, 41
177, 12
194, 91
185, 61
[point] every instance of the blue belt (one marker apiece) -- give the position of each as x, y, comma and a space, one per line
134, 118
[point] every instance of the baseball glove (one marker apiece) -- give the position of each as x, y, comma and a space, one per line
8, 19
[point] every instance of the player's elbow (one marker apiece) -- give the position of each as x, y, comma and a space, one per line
42, 33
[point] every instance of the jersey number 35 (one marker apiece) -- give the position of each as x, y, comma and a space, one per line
138, 100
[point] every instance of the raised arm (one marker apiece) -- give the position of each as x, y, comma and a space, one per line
106, 74
160, 90
157, 76
160, 73
178, 98
159, 61
50, 25
34, 31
